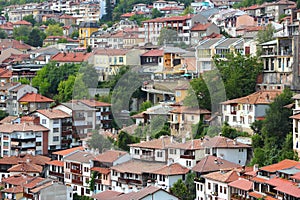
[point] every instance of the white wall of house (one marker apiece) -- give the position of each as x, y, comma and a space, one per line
215, 187
160, 195
236, 155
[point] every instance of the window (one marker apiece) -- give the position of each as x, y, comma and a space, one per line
38, 144
234, 119
209, 186
5, 144
241, 150
192, 117
86, 169
68, 165
136, 151
172, 151
55, 130
90, 114
226, 118
188, 163
159, 154
162, 178
220, 189
43, 121
55, 138
178, 93
120, 59
56, 121
87, 191
224, 190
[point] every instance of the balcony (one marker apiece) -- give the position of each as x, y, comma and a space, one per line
187, 156
77, 182
147, 157
76, 171
199, 180
296, 130
99, 181
28, 196
130, 181
56, 174
66, 133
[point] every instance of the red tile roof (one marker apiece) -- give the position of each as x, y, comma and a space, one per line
18, 179
172, 169
54, 114
110, 156
106, 195
13, 160
22, 22
160, 143
32, 183
14, 190
296, 176
101, 170
190, 110
16, 44
188, 145
200, 27
137, 167
10, 128
167, 19
279, 166
111, 52
154, 52
212, 164
127, 15
94, 103
224, 177
292, 190
278, 181
68, 151
35, 98
259, 180
26, 167
66, 17
56, 163
260, 97
297, 116
222, 142
242, 184
71, 57
169, 8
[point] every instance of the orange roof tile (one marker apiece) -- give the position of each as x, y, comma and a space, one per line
292, 190
225, 177
279, 166
259, 180
154, 52
10, 128
200, 27
111, 52
260, 97
56, 163
94, 103
22, 22
297, 116
14, 190
26, 167
242, 184
172, 169
54, 114
222, 142
68, 151
71, 57
18, 179
188, 145
166, 19
34, 97
106, 195
110, 156
160, 143
137, 167
190, 110
296, 176
33, 182
39, 188
101, 170
278, 181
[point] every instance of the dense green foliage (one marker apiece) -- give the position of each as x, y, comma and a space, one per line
167, 36
185, 190
31, 36
124, 139
273, 140
98, 141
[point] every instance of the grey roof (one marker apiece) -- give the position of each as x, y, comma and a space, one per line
209, 12
78, 106
174, 50
209, 43
47, 50
227, 43
290, 171
88, 25
80, 156
272, 42
159, 110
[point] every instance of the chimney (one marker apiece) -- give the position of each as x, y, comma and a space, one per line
147, 138
255, 167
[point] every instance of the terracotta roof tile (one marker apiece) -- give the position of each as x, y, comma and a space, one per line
242, 184
260, 97
111, 52
18, 179
10, 128
71, 57
54, 114
200, 27
56, 163
26, 167
173, 18
278, 181
110, 156
22, 22
292, 190
212, 164
222, 142
296, 176
37, 189
258, 179
137, 167
8, 119
32, 183
80, 156
160, 143
297, 116
188, 145
224, 177
106, 195
9, 43
281, 165
190, 110
34, 97
101, 170
94, 103
154, 52
68, 151
172, 169
14, 190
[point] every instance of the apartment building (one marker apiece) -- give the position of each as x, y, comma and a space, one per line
30, 102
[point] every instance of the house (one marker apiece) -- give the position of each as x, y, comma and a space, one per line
14, 94
77, 171
53, 190
242, 112
199, 30
101, 167
182, 24
8, 162
21, 23
24, 70
103, 113
67, 20
85, 31
52, 40
108, 61
149, 192
59, 124
32, 101
183, 117
153, 150
71, 57
15, 44
296, 123
241, 187
43, 55
133, 175
153, 60
26, 167
23, 138
84, 117
56, 166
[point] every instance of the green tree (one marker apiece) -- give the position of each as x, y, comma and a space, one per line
188, 10
3, 34
264, 35
21, 33
98, 141
65, 89
36, 38
287, 151
156, 13
179, 189
75, 34
138, 19
145, 105
24, 81
232, 133
108, 10
239, 74
30, 18
90, 76
167, 36
3, 114
189, 182
80, 89
124, 139
54, 30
